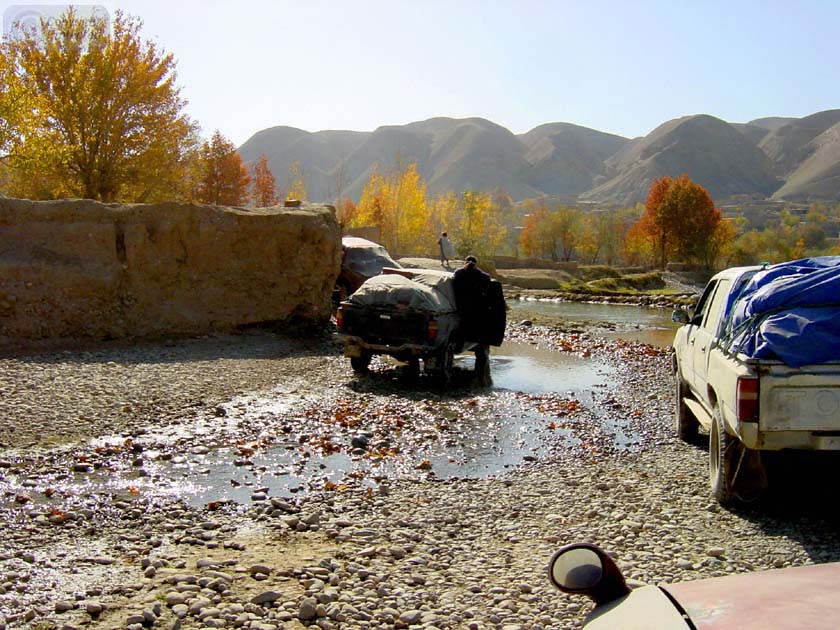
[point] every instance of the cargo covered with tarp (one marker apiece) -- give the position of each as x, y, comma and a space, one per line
789, 312
421, 290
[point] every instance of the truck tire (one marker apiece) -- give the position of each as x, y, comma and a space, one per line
736, 473
724, 451
361, 364
685, 424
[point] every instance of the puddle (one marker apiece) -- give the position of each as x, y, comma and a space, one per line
524, 367
635, 323
291, 440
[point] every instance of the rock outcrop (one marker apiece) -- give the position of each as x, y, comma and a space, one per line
78, 268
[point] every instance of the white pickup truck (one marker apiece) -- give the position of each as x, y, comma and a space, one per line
749, 405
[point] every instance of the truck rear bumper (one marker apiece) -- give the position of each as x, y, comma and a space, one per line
353, 346
800, 440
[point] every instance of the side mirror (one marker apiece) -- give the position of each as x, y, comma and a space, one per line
585, 569
680, 316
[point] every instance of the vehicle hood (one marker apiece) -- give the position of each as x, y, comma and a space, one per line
799, 597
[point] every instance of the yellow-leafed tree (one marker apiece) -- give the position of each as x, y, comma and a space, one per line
443, 215
395, 201
297, 183
103, 118
413, 235
480, 229
375, 207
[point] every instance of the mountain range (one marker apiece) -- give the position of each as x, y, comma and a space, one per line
793, 159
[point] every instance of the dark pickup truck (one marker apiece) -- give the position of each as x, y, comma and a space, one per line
411, 315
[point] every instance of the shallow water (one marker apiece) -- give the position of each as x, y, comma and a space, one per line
636, 323
472, 433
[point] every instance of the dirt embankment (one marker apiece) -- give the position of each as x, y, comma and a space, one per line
592, 283
83, 269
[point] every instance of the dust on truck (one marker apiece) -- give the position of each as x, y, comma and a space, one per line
411, 315
758, 365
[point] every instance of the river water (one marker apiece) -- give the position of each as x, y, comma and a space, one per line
636, 323
469, 433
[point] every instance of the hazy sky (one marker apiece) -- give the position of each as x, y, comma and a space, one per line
616, 66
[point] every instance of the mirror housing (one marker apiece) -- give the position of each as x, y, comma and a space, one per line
680, 316
585, 569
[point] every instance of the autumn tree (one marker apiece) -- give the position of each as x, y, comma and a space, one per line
102, 116
443, 212
679, 222
297, 183
552, 234
223, 178
264, 189
480, 230
346, 211
375, 207
395, 201
413, 227
535, 240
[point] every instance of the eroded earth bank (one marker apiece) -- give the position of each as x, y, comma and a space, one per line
253, 481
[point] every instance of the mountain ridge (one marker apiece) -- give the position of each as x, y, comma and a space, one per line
774, 157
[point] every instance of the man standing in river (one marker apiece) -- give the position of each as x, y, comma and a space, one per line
472, 286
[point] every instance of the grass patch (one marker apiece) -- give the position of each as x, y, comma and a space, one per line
636, 282
597, 272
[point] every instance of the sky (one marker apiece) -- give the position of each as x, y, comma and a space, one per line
615, 66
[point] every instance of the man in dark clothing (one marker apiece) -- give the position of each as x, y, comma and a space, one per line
471, 287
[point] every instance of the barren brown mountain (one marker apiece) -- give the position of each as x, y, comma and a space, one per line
787, 158
712, 152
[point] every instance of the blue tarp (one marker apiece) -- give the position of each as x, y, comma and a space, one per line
790, 312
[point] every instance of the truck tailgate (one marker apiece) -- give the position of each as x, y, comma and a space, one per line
808, 400
385, 326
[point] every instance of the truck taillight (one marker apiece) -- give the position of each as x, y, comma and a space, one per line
746, 399
432, 330
339, 319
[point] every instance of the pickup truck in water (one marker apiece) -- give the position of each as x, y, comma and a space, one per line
758, 365
411, 315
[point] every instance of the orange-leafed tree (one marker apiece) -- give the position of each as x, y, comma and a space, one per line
223, 178
346, 211
680, 221
535, 239
264, 188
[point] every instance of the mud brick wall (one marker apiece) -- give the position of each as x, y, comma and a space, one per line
82, 269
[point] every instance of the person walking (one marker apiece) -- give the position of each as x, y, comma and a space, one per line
447, 249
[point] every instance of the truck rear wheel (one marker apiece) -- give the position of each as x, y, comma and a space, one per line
361, 364
685, 424
736, 473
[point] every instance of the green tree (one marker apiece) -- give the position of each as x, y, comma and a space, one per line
103, 118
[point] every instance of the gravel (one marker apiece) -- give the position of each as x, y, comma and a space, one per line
412, 551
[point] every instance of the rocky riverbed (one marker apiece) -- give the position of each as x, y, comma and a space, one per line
406, 549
